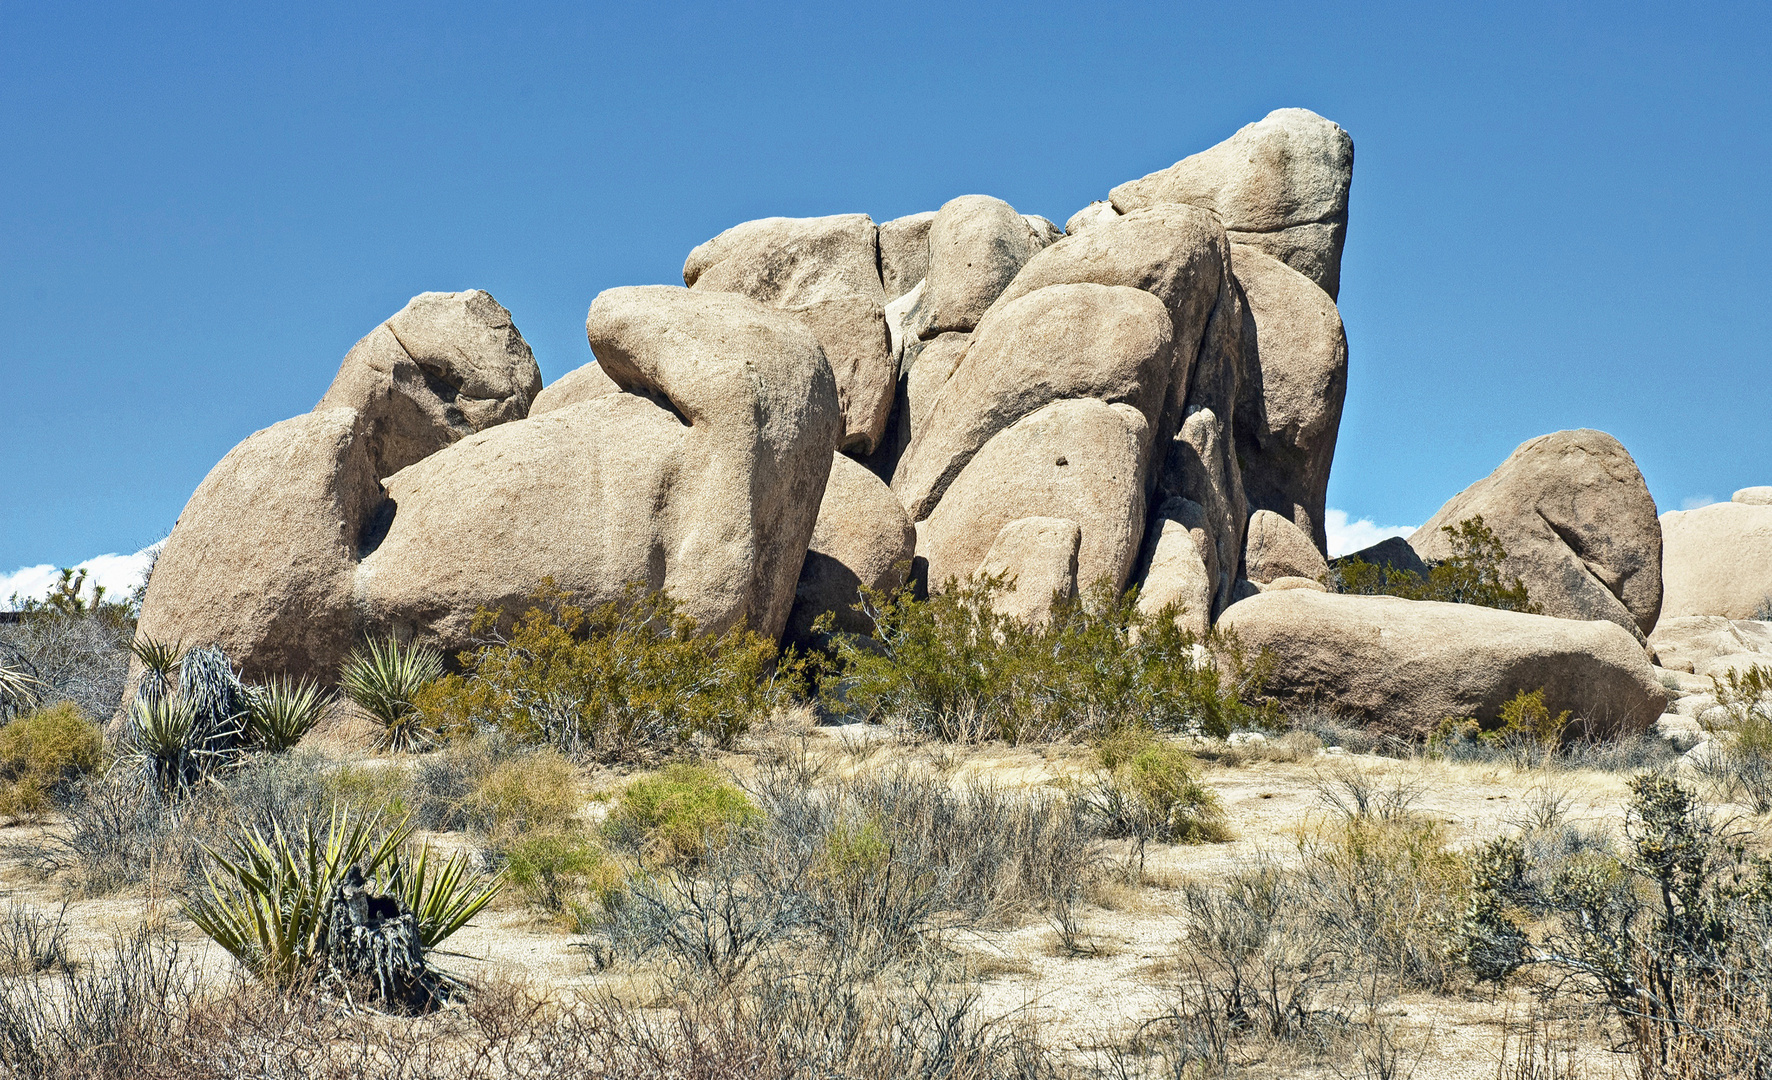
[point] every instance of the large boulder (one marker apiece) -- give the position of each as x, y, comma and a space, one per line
1403, 666
1276, 548
1707, 644
1578, 524
446, 366
1067, 341
1753, 496
712, 499
977, 245
826, 270
1717, 560
1179, 565
1294, 381
904, 252
1036, 558
1082, 455
578, 385
862, 540
1279, 184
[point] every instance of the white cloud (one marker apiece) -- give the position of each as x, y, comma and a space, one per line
1693, 502
119, 574
1347, 537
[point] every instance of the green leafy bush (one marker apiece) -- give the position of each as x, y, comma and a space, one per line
566, 873
612, 682
1523, 724
384, 678
1148, 789
42, 755
282, 711
675, 815
954, 667
1474, 574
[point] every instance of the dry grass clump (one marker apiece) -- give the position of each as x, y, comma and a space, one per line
42, 755
1148, 789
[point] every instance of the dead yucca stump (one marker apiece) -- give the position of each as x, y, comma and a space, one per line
374, 941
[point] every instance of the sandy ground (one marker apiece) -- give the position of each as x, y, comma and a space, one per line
1079, 1001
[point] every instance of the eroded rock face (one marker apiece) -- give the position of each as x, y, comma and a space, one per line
1037, 558
862, 540
578, 385
1066, 341
1578, 524
904, 252
1294, 382
1083, 455
825, 270
1276, 548
1279, 184
1403, 666
1717, 560
1707, 644
446, 366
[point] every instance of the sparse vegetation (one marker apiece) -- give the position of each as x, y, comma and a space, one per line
1473, 574
385, 679
43, 755
1146, 789
675, 815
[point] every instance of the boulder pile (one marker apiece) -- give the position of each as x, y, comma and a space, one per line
1149, 396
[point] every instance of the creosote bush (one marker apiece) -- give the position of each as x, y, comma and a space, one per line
1740, 758
1473, 574
1147, 789
954, 667
1524, 726
619, 681
42, 755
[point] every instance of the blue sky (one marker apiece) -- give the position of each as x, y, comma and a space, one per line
1559, 213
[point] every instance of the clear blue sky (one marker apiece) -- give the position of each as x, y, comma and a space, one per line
1559, 214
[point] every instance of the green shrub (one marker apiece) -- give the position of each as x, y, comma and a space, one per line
1147, 789
1523, 723
384, 678
954, 667
565, 873
42, 755
612, 682
676, 814
1474, 574
282, 711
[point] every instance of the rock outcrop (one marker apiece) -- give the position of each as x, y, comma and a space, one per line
1403, 666
1279, 184
1711, 644
1276, 548
1717, 560
1578, 524
977, 245
862, 540
578, 385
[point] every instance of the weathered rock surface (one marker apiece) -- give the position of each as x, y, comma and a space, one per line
1753, 496
713, 499
445, 366
1707, 644
1393, 552
1081, 454
578, 385
1037, 557
1066, 341
1096, 212
904, 252
1294, 382
1717, 560
927, 372
862, 539
1279, 184
1578, 524
977, 245
825, 270
1179, 564
261, 559
1403, 666
1045, 233
1276, 548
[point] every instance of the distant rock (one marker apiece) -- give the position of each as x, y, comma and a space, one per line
1180, 564
1711, 644
1393, 553
578, 385
904, 252
1095, 213
1403, 666
1717, 560
977, 245
1753, 496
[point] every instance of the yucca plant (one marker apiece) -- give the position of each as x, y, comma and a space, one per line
160, 661
270, 897
219, 703
443, 902
382, 678
281, 711
164, 743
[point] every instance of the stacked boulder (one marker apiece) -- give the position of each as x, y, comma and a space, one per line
1149, 396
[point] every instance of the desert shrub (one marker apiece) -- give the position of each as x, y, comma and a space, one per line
617, 681
1739, 760
281, 711
385, 679
1474, 574
31, 941
954, 667
20, 688
1146, 789
676, 814
537, 791
80, 657
565, 873
42, 755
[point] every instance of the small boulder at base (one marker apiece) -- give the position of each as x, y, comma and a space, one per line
1276, 548
1694, 643
862, 540
1037, 558
1578, 525
1717, 560
1180, 564
1404, 666
1279, 184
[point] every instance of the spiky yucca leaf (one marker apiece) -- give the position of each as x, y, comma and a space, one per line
20, 691
164, 743
160, 661
382, 678
442, 903
270, 898
282, 711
